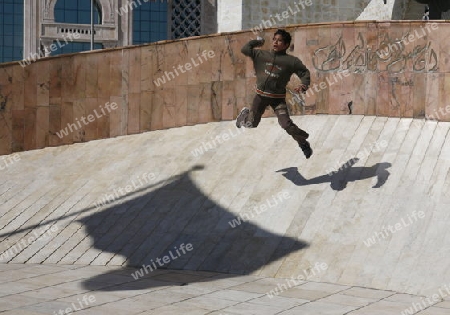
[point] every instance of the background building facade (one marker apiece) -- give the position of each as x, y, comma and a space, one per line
30, 29
34, 29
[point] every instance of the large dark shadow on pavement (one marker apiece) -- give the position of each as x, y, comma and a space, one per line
339, 179
154, 223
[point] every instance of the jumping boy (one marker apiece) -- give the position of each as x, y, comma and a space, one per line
273, 71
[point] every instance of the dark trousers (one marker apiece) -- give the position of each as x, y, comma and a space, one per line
279, 106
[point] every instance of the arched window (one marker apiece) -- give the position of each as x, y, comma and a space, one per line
77, 12
150, 22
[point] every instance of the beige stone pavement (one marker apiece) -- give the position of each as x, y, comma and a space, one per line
229, 215
28, 289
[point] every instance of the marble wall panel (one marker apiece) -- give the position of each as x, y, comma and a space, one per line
55, 96
159, 66
104, 121
6, 107
18, 88
205, 112
104, 78
383, 95
117, 125
118, 72
358, 99
54, 125
436, 96
79, 73
444, 101
68, 79
14, 142
419, 94
230, 113
443, 50
134, 103
215, 53
134, 76
147, 65
30, 85
402, 86
157, 110
194, 96
177, 64
42, 126
241, 63
43, 84
230, 56
67, 118
30, 123
181, 105
92, 75
145, 111
80, 110
229, 99
370, 92
88, 113
169, 109
319, 49
200, 62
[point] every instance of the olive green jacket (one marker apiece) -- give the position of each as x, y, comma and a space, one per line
274, 69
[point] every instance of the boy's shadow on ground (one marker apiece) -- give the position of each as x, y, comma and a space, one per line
339, 179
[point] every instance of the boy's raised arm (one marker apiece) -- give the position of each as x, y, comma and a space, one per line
248, 49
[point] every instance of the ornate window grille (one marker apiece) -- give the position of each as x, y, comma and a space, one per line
185, 18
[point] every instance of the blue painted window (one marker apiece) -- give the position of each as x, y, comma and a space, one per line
74, 47
149, 22
76, 12
11, 30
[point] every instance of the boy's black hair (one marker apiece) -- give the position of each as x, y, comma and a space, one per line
285, 35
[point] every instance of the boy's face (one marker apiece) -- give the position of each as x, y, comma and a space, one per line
278, 43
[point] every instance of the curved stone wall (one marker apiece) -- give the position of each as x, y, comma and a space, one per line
397, 69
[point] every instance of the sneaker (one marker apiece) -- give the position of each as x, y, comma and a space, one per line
306, 148
240, 120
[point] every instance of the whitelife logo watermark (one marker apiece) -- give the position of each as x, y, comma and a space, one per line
117, 193
71, 127
436, 115
38, 234
376, 147
130, 6
162, 261
271, 202
428, 301
169, 75
293, 282
52, 48
386, 231
322, 85
271, 22
85, 302
7, 161
219, 139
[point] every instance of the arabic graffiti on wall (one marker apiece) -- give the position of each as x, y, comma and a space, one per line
392, 55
